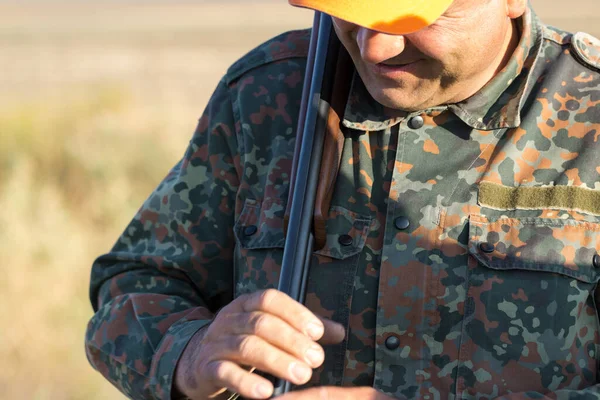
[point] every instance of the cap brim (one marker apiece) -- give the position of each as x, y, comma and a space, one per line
396, 17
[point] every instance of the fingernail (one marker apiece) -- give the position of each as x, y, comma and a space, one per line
314, 355
300, 372
262, 390
315, 330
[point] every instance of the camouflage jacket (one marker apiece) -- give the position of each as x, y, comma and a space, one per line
462, 241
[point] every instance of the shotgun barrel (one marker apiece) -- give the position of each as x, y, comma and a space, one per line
312, 125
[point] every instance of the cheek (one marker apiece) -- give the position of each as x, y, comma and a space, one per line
436, 43
346, 32
458, 54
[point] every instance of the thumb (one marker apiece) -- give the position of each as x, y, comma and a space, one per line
334, 332
336, 393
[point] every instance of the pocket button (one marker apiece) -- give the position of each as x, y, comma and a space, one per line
345, 240
250, 230
596, 261
487, 247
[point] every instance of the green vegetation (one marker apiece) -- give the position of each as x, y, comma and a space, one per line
69, 181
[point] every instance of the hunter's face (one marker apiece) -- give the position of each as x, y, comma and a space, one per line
443, 63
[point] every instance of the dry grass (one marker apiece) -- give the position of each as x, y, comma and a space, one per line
97, 101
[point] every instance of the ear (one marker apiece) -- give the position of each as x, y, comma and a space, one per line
515, 8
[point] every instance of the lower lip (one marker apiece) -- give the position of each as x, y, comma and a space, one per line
395, 71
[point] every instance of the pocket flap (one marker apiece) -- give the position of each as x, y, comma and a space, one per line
347, 233
261, 226
566, 247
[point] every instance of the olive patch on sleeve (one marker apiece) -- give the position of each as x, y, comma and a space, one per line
570, 198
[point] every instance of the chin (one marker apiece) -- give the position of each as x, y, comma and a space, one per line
398, 101
396, 98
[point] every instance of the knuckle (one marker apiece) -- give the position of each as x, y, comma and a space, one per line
296, 344
241, 299
260, 323
267, 297
244, 385
275, 360
220, 321
246, 346
245, 381
218, 370
227, 308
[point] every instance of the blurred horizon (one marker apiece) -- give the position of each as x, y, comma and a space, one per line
97, 102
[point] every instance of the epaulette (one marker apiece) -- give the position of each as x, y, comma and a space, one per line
587, 49
290, 44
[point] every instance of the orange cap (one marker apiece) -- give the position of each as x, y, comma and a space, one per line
396, 17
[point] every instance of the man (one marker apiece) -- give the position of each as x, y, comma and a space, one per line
461, 257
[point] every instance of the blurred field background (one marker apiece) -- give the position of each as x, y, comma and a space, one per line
97, 102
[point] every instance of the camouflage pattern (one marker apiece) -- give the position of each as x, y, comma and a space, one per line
483, 302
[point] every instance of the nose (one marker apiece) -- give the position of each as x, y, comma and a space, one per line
376, 47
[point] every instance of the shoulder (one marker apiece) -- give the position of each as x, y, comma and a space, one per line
583, 47
587, 49
288, 45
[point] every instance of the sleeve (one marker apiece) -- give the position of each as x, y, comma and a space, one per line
171, 269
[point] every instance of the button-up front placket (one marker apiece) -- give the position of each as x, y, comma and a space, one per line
408, 278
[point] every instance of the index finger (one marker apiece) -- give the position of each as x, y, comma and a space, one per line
283, 306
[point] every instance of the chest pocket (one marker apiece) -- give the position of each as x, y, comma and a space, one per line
564, 247
260, 239
530, 304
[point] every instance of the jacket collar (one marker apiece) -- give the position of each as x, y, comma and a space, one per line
497, 105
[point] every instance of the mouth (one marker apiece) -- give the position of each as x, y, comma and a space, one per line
395, 70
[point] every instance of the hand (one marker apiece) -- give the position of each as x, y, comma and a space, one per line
267, 330
336, 393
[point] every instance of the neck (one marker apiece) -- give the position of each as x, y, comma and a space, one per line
510, 45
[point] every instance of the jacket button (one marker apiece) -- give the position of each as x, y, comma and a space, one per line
402, 223
596, 261
345, 240
392, 342
487, 247
416, 122
250, 230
